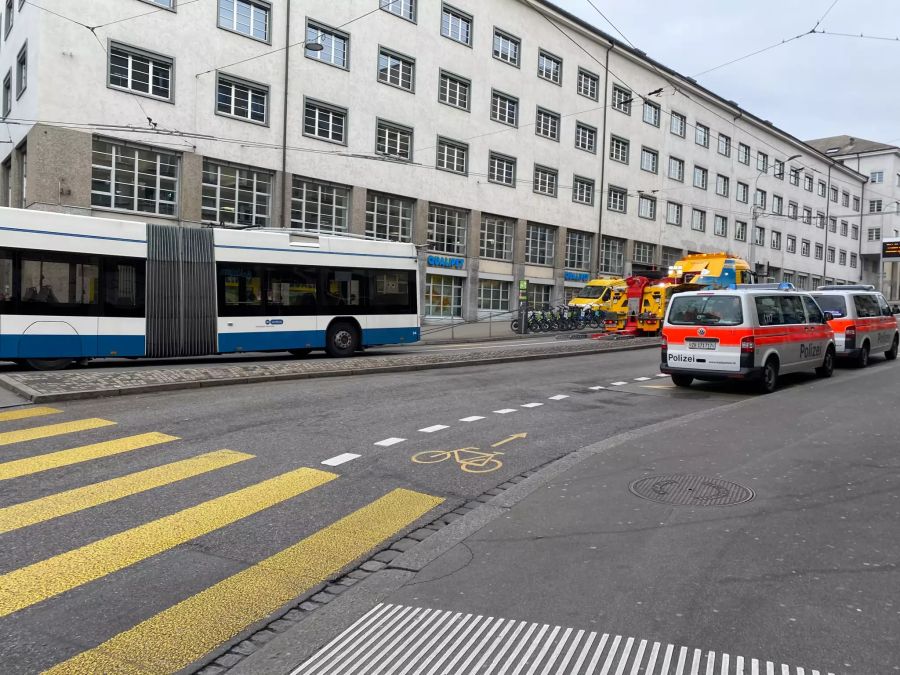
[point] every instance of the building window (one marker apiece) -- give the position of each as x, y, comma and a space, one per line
335, 45
791, 246
649, 160
853, 260
777, 204
319, 207
673, 213
539, 244
676, 169
842, 257
876, 176
393, 140
447, 229
762, 162
7, 94
396, 70
759, 236
807, 182
807, 216
760, 199
722, 185
819, 251
388, 218
720, 226
830, 254
325, 122
583, 191
456, 25
168, 4
744, 153
245, 17
854, 232
621, 99
140, 72
651, 113
725, 145
788, 277
454, 91
832, 224
578, 250
493, 295
127, 178
402, 8
792, 210
443, 296
612, 255
502, 169
701, 177
701, 135
588, 84
820, 220
821, 188
496, 238
834, 194
647, 207
547, 124
794, 176
549, 67
844, 228
779, 169
618, 149
22, 70
856, 203
452, 156
698, 220
243, 100
740, 230
845, 199
875, 206
546, 181
743, 193
874, 234
585, 137
617, 199
235, 196
506, 48
644, 253
504, 109
678, 124
776, 240
10, 17
670, 256
540, 296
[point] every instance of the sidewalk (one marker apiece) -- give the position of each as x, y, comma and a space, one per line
777, 546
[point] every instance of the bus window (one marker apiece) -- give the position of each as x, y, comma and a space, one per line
392, 291
292, 291
59, 283
241, 289
345, 288
6, 277
123, 288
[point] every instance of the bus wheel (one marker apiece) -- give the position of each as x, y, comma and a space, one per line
300, 353
49, 364
342, 339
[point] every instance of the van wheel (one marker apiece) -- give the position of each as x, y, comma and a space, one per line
891, 354
827, 367
682, 380
299, 353
49, 364
342, 339
862, 359
769, 381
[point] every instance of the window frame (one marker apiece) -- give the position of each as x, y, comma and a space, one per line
404, 60
503, 34
619, 192
335, 109
551, 116
385, 4
463, 16
704, 143
547, 242
134, 148
258, 3
504, 244
508, 97
590, 76
726, 144
653, 205
552, 57
683, 118
651, 153
323, 28
586, 182
679, 210
624, 106
250, 85
460, 80
255, 172
592, 131
22, 57
550, 172
133, 51
650, 105
622, 142
301, 182
390, 125
505, 158
443, 140
743, 151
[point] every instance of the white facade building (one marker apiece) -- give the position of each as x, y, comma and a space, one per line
508, 139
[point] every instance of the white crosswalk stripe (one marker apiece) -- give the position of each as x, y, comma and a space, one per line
400, 640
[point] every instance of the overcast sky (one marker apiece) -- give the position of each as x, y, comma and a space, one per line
819, 85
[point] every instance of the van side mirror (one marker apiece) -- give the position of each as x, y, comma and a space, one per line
829, 317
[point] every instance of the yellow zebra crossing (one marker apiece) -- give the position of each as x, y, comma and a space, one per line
180, 635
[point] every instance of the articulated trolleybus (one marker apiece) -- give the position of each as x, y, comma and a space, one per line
74, 288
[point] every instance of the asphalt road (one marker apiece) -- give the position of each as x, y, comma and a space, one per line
131, 570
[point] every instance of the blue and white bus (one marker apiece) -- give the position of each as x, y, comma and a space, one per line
74, 288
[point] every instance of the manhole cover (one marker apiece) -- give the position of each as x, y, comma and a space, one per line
686, 490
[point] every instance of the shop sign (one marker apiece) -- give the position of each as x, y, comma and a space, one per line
577, 276
449, 263
890, 249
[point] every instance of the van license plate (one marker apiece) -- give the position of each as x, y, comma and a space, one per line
702, 344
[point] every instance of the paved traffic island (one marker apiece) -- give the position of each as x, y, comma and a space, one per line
88, 382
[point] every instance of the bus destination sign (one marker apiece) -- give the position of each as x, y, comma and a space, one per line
890, 249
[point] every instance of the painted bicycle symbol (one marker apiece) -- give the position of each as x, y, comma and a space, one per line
470, 460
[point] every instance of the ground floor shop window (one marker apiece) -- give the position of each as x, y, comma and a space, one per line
493, 295
540, 296
571, 292
443, 296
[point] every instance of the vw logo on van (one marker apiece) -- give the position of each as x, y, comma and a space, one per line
701, 332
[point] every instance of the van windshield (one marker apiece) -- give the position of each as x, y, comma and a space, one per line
706, 310
591, 292
832, 303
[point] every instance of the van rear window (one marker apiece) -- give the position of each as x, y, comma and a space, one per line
832, 303
706, 310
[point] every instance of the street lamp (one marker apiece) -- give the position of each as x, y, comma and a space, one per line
755, 211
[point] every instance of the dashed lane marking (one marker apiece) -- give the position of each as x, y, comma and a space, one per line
25, 413
661, 375
181, 634
617, 384
559, 397
398, 639
532, 405
388, 442
597, 388
34, 433
641, 379
341, 459
473, 418
505, 411
433, 428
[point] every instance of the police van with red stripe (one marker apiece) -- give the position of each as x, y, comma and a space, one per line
863, 322
751, 332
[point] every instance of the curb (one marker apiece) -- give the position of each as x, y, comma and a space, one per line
35, 396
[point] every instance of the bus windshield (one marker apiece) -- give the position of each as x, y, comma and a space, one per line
591, 292
706, 310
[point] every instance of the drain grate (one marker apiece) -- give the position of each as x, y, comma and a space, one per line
685, 490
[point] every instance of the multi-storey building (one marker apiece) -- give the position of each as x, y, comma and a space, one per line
881, 210
508, 139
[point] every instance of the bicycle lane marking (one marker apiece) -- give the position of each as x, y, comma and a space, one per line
470, 459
